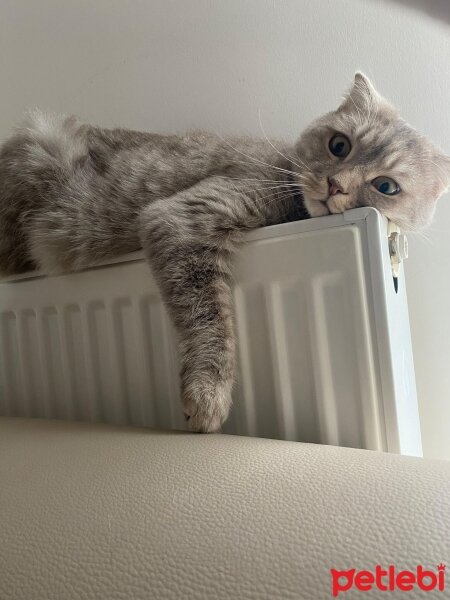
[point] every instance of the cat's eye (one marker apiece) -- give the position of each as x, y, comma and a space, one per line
339, 145
386, 185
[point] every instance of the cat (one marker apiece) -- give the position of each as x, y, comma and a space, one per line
72, 195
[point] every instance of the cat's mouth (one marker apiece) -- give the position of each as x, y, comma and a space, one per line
328, 196
333, 190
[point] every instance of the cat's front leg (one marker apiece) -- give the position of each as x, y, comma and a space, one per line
190, 239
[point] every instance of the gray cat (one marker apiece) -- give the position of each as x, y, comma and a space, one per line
72, 194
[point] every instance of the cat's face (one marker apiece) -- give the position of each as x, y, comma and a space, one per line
364, 154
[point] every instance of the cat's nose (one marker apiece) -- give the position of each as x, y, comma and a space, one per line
334, 187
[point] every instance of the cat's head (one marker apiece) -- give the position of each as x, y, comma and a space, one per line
365, 154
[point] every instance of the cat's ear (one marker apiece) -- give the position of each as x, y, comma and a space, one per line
363, 97
442, 162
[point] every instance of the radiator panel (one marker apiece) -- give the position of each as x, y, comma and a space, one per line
99, 345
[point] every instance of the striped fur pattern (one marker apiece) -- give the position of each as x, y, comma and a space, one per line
72, 195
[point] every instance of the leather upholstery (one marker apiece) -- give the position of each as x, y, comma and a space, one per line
103, 512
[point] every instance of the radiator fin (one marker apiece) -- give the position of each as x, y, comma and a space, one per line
100, 346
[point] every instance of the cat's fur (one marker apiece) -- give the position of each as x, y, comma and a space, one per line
72, 194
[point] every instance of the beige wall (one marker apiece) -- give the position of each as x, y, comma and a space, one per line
168, 65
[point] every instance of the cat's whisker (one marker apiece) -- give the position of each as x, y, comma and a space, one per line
247, 179
443, 182
261, 194
255, 160
279, 182
273, 190
308, 179
422, 237
302, 164
287, 187
289, 159
275, 197
289, 173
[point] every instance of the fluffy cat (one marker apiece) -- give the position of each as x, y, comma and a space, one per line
72, 194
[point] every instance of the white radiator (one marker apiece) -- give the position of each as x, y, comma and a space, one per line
323, 341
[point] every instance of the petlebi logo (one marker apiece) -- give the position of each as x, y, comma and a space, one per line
388, 579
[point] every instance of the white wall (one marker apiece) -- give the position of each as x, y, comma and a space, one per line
168, 65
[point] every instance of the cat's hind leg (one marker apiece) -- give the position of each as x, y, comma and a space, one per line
190, 239
36, 206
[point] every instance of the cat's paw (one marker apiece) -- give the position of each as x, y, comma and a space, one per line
205, 410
